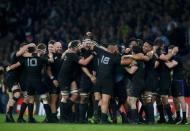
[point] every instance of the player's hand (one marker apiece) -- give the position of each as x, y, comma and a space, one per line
127, 50
31, 45
126, 56
8, 68
175, 50
93, 79
56, 83
94, 53
150, 54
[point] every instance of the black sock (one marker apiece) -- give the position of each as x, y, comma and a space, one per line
129, 114
82, 112
178, 115
150, 112
30, 110
63, 111
141, 112
22, 110
104, 118
77, 112
10, 110
71, 114
161, 111
184, 115
134, 115
97, 110
124, 117
167, 108
54, 115
113, 109
96, 105
90, 109
47, 111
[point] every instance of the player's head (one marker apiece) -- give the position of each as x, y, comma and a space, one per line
140, 42
74, 45
159, 43
132, 42
136, 49
41, 48
112, 47
173, 49
58, 47
86, 44
88, 35
147, 46
51, 46
31, 49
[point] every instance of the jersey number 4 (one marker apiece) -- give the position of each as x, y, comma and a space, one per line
105, 60
32, 62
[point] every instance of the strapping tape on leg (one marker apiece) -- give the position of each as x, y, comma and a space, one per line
84, 94
74, 91
64, 93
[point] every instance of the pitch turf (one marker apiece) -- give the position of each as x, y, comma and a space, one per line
87, 127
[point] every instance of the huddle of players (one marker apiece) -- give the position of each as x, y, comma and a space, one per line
103, 77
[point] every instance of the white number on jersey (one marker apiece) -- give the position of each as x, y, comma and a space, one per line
32, 62
105, 60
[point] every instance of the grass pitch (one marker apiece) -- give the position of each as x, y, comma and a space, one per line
87, 127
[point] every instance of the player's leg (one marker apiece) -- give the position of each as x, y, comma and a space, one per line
45, 102
104, 108
149, 109
83, 106
97, 103
31, 108
181, 100
160, 109
23, 108
14, 95
167, 109
132, 109
177, 108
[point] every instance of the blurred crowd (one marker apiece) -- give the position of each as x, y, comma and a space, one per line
109, 20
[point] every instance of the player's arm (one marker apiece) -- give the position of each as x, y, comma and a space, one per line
125, 61
13, 66
86, 61
139, 56
166, 57
96, 47
156, 64
171, 64
87, 72
24, 49
64, 53
49, 72
50, 58
131, 70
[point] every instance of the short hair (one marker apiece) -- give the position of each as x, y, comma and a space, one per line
158, 42
132, 39
41, 46
149, 41
74, 43
23, 44
171, 47
89, 35
51, 42
137, 49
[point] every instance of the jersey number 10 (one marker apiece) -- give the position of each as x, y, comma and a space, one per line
32, 62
